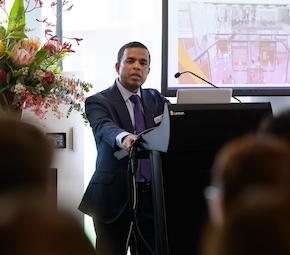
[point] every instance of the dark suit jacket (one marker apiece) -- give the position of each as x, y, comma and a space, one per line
106, 195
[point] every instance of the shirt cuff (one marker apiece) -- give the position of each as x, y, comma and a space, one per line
119, 138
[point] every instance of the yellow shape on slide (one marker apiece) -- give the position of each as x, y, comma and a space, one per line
188, 64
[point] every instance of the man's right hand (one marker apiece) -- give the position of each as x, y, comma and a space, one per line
128, 141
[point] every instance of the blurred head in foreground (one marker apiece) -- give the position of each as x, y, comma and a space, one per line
47, 233
258, 224
241, 169
243, 165
26, 157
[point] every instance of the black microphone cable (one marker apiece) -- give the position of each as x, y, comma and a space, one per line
132, 193
131, 184
179, 74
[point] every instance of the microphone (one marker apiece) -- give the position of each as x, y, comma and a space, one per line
179, 74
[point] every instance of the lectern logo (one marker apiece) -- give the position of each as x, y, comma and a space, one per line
172, 113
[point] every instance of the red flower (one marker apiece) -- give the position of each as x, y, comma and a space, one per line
51, 47
49, 77
2, 77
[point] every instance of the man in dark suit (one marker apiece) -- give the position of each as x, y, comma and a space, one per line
111, 116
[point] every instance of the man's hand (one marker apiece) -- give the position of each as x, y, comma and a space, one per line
128, 140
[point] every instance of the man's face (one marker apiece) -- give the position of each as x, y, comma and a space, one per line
134, 68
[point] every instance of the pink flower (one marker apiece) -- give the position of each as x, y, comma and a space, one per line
66, 47
31, 69
24, 54
51, 47
49, 77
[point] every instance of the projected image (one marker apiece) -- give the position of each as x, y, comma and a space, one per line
240, 45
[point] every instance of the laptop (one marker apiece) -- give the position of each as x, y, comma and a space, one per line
203, 96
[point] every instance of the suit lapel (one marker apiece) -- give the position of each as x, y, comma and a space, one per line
121, 109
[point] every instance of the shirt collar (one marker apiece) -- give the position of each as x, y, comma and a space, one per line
126, 93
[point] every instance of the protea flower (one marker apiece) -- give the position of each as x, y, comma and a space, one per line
24, 54
35, 43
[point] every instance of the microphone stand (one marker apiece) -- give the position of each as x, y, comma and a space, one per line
179, 74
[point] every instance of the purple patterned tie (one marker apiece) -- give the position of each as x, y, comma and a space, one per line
140, 126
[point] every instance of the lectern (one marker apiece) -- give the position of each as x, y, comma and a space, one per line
181, 151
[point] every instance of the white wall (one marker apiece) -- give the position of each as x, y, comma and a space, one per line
69, 161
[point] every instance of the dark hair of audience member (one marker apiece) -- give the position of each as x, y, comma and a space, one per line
241, 166
26, 155
259, 223
250, 161
46, 232
29, 223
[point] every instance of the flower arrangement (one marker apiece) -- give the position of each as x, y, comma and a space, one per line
30, 75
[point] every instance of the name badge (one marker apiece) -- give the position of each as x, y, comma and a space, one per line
158, 119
